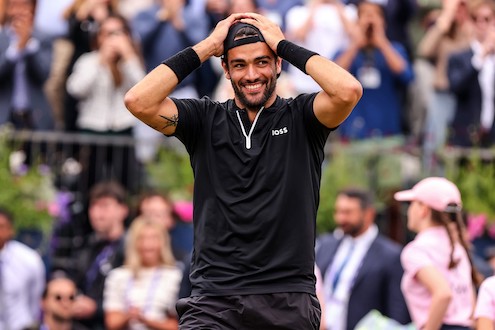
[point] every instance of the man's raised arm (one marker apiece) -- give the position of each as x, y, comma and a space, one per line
148, 100
340, 90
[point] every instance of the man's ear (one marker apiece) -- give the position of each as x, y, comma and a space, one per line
279, 66
225, 70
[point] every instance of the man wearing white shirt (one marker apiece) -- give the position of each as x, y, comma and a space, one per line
360, 267
22, 279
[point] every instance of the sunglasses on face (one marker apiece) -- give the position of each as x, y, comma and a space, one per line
482, 19
59, 297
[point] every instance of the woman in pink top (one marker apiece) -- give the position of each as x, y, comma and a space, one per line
439, 279
484, 314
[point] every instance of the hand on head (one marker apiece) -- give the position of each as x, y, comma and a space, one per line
270, 31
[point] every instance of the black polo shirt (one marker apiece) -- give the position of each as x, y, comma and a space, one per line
254, 209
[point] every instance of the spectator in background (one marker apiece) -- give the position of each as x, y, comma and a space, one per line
83, 17
216, 10
103, 251
324, 27
142, 294
160, 208
471, 75
25, 59
380, 65
57, 305
22, 279
399, 15
359, 266
439, 278
451, 31
484, 313
99, 81
276, 10
164, 29
50, 20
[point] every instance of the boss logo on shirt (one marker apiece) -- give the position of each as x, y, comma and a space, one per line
280, 131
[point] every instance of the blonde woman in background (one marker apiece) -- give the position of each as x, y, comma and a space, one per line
142, 293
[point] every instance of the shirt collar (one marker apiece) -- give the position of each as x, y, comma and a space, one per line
365, 238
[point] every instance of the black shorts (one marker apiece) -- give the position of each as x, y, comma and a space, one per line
277, 311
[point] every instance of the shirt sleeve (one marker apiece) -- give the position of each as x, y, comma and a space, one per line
485, 304
114, 291
414, 258
38, 285
189, 127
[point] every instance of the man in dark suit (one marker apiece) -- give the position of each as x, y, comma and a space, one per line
361, 268
471, 74
25, 62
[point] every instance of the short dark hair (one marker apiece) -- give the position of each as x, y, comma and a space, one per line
111, 189
7, 215
364, 196
54, 277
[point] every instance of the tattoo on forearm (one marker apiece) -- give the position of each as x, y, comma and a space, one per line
171, 121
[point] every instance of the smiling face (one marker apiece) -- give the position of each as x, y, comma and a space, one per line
252, 70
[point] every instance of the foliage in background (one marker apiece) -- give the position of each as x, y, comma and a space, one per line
380, 165
376, 164
171, 172
27, 192
474, 174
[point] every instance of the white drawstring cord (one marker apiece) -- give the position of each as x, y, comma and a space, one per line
248, 136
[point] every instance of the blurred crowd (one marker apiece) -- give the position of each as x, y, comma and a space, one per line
425, 66
125, 271
65, 66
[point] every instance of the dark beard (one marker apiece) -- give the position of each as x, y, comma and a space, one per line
355, 230
254, 105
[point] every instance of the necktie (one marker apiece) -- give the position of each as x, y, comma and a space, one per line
20, 97
341, 268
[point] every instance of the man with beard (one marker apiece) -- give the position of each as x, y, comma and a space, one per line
361, 268
257, 166
57, 305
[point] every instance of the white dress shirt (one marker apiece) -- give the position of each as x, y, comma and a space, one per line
22, 280
336, 301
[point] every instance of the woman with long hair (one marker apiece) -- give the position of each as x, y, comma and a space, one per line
439, 278
142, 293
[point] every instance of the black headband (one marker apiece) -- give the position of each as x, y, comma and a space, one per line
230, 41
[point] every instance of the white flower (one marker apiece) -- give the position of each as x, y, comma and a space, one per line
16, 162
